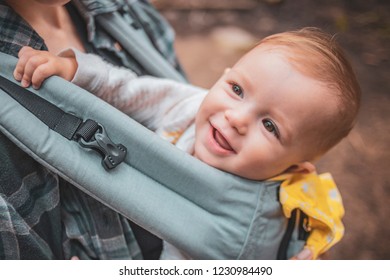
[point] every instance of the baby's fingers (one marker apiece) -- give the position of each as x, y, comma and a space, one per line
26, 50
305, 254
32, 64
24, 55
42, 72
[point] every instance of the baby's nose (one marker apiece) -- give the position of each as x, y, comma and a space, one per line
239, 119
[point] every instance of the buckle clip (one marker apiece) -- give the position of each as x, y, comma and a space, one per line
113, 154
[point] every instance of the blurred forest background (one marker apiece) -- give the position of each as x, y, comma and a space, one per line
213, 34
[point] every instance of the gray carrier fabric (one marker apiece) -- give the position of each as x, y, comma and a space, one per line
205, 212
136, 44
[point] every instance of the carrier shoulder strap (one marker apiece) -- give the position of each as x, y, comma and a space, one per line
296, 225
89, 133
138, 46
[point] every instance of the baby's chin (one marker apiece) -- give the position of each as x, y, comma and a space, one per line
254, 176
260, 175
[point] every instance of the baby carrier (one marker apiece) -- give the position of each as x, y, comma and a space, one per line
206, 213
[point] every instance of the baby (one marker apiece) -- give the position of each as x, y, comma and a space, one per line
279, 108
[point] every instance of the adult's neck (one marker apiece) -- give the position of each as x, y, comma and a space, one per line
52, 22
39, 15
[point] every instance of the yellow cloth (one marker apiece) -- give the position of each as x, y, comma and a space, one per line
318, 197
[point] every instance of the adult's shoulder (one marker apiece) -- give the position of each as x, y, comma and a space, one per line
15, 32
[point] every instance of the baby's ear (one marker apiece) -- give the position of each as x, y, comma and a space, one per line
305, 167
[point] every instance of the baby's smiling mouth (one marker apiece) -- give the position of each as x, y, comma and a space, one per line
221, 140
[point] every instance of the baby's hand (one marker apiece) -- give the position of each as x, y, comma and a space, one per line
305, 254
35, 66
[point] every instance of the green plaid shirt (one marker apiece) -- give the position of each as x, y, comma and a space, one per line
41, 215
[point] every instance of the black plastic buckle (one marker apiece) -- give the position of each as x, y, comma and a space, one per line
113, 154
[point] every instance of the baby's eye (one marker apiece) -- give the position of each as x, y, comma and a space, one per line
271, 127
237, 90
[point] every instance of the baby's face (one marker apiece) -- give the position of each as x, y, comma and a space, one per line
260, 117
